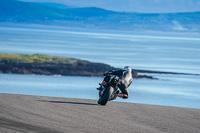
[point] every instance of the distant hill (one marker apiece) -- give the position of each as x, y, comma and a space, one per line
96, 18
55, 5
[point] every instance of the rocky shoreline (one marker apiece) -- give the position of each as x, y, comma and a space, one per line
52, 65
81, 68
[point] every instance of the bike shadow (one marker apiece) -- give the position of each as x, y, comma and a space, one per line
77, 103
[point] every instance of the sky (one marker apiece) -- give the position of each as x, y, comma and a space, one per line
141, 6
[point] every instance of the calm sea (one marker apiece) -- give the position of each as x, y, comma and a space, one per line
149, 51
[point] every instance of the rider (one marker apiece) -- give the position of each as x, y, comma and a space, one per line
125, 80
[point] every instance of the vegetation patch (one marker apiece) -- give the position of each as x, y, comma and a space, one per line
33, 58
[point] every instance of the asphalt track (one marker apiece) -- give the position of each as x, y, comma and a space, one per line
39, 114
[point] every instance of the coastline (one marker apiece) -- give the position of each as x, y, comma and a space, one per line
27, 113
53, 65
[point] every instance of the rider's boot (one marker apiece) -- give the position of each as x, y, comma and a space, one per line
121, 95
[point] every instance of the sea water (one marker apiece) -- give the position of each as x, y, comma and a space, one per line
179, 91
148, 51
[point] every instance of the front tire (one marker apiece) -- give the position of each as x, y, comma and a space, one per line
106, 96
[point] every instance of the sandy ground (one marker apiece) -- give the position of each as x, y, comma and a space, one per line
39, 114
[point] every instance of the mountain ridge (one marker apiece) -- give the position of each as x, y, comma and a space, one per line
97, 18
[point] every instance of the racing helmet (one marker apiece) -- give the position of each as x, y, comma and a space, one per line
127, 68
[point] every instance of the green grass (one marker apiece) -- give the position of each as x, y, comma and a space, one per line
37, 58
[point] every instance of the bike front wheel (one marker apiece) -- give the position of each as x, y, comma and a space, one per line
106, 96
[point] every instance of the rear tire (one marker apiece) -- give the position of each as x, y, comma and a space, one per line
106, 96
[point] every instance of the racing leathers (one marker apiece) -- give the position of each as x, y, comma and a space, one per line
125, 80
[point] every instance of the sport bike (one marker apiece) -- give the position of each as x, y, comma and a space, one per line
108, 90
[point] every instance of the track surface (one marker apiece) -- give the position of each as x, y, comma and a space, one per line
39, 114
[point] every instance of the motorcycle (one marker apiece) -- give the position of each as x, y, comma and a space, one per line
108, 90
